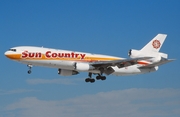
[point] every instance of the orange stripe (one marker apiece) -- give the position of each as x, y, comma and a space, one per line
87, 58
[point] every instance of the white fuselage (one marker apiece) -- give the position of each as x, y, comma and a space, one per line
64, 59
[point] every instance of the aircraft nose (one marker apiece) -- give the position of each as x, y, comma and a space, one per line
12, 55
6, 54
9, 54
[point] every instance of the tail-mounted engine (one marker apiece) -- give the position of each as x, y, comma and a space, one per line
156, 56
135, 53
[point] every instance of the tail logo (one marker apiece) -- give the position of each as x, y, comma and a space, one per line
156, 44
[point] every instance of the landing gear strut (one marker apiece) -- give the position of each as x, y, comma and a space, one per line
90, 79
59, 71
29, 71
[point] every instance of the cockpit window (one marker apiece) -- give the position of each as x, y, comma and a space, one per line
14, 50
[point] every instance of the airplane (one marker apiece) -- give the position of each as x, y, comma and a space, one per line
72, 62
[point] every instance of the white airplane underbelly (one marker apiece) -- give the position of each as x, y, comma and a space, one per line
51, 63
131, 70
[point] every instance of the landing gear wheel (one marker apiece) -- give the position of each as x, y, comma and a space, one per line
98, 77
87, 80
91, 80
103, 78
29, 71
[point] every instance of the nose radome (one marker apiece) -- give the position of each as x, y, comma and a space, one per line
12, 55
6, 53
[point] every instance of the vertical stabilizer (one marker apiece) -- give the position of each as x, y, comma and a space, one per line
155, 44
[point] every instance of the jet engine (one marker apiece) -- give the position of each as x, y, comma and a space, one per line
156, 56
134, 53
83, 66
65, 72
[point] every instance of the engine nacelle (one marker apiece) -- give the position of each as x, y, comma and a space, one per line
135, 53
65, 72
83, 67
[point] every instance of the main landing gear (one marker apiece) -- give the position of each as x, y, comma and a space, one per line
29, 71
92, 80
99, 77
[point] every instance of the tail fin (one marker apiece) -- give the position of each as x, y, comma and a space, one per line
155, 44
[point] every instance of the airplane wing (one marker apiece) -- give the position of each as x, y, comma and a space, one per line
107, 65
163, 61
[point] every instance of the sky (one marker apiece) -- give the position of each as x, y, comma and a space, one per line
109, 27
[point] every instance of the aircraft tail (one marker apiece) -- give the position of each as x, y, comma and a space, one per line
152, 50
155, 44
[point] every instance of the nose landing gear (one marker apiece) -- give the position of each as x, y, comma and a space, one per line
29, 71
